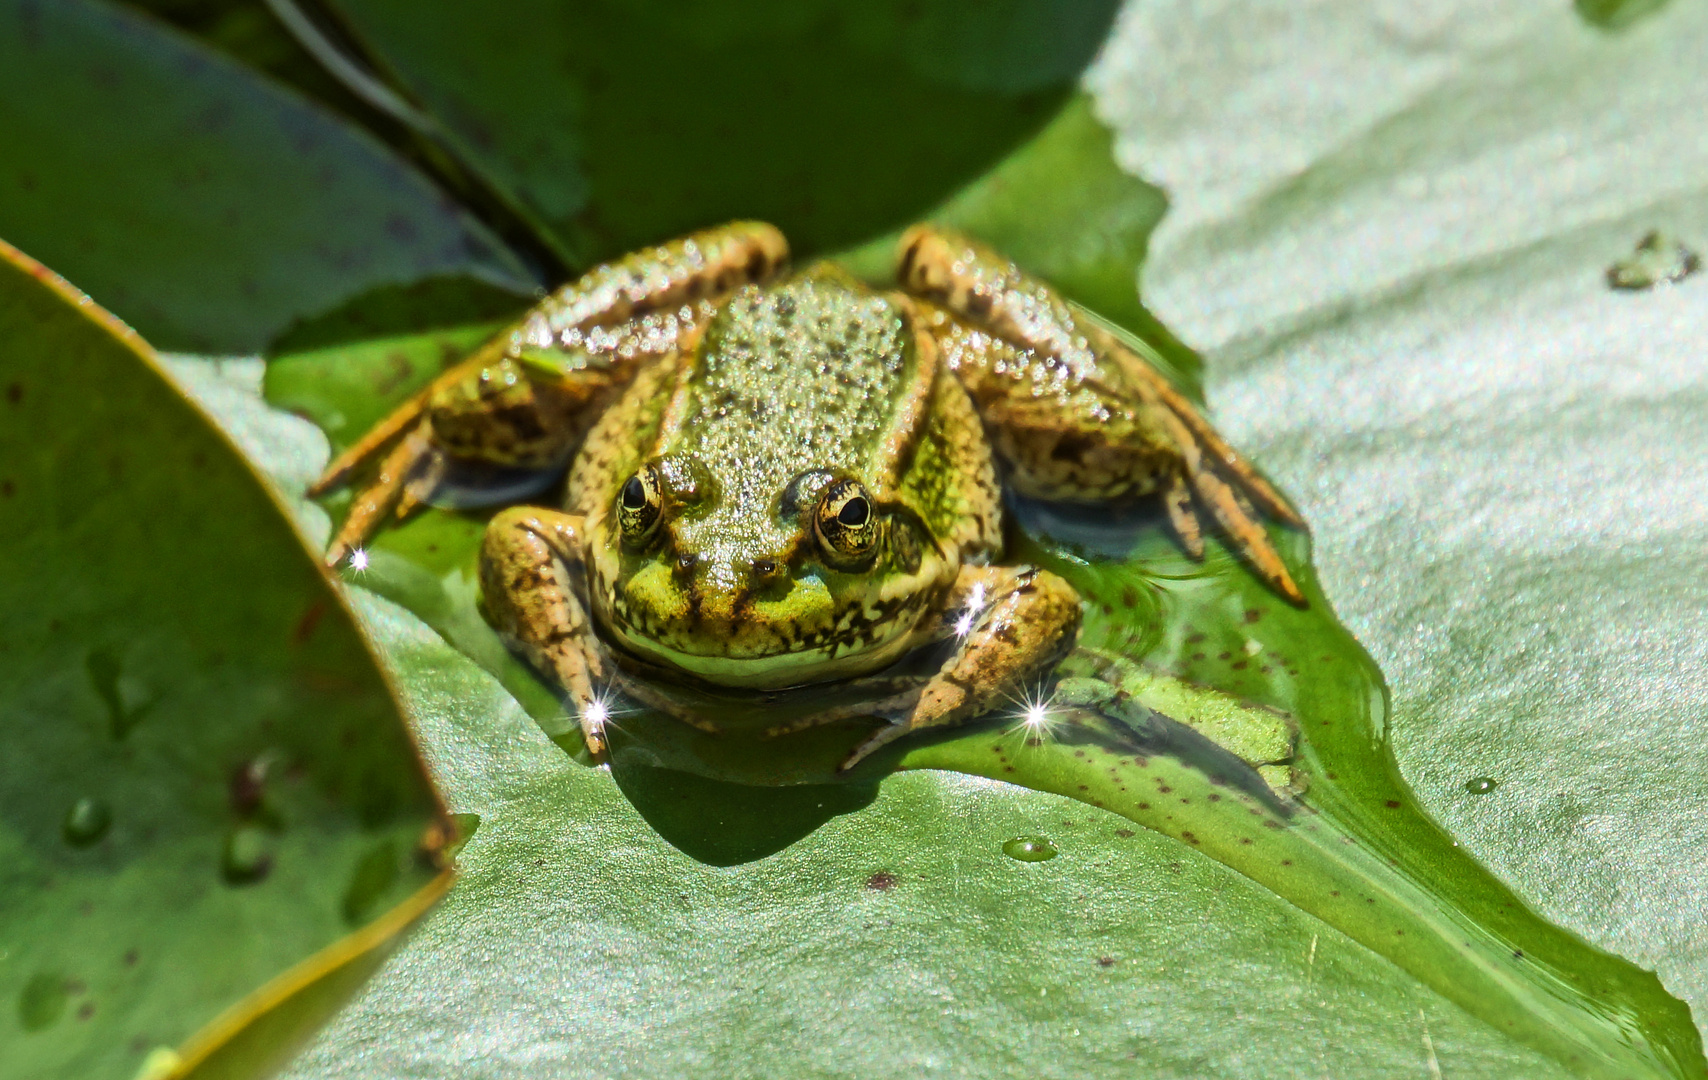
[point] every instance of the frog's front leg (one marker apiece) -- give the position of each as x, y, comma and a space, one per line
1073, 411
1014, 623
532, 580
527, 397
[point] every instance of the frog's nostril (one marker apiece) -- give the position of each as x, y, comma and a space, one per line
764, 567
686, 561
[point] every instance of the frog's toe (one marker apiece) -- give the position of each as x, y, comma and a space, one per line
406, 463
876, 741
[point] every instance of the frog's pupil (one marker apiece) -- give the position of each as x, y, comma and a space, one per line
634, 494
854, 512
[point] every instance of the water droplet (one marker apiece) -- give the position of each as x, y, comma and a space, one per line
1481, 785
1658, 259
86, 822
1029, 849
248, 855
248, 785
42, 1001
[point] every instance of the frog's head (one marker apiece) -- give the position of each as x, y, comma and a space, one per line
737, 582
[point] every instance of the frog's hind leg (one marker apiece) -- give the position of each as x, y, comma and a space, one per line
1014, 624
1077, 414
1177, 500
531, 575
527, 397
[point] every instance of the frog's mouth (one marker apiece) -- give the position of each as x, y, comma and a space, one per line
759, 656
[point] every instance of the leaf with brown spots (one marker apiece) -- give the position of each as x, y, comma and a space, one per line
200, 746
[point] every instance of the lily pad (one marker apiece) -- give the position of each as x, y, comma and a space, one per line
1402, 294
205, 204
203, 758
1209, 624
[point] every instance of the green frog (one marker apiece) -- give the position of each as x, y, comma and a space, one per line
786, 483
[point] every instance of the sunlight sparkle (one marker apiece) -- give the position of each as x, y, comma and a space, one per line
1037, 716
975, 604
597, 714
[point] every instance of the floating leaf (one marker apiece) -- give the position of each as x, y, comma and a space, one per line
201, 751
1191, 626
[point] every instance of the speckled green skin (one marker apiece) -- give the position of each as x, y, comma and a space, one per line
791, 386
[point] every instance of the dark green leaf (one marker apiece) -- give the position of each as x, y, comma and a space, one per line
205, 205
616, 124
200, 749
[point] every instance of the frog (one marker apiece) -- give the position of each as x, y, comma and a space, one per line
784, 488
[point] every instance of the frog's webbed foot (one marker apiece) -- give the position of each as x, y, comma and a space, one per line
1204, 457
1014, 624
531, 578
396, 484
1075, 411
489, 409
898, 703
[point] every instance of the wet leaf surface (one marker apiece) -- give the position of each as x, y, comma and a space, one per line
202, 755
1196, 622
1402, 294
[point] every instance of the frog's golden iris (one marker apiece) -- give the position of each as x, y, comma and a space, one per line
789, 479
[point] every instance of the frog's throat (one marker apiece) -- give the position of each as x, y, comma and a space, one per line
776, 671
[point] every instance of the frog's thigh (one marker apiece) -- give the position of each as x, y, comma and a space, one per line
530, 577
1074, 411
1015, 624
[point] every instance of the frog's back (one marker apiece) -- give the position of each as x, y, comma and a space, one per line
815, 373
821, 373
813, 368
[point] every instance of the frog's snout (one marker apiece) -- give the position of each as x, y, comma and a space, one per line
721, 591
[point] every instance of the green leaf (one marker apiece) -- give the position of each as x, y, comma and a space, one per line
202, 757
1061, 206
614, 124
1149, 607
205, 205
1411, 379
1404, 295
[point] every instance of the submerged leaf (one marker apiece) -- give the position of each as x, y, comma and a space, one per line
616, 124
204, 204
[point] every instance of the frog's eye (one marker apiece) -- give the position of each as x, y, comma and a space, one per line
847, 522
638, 505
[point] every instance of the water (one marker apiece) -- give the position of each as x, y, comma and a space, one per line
1029, 849
1481, 785
1658, 259
247, 858
86, 822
